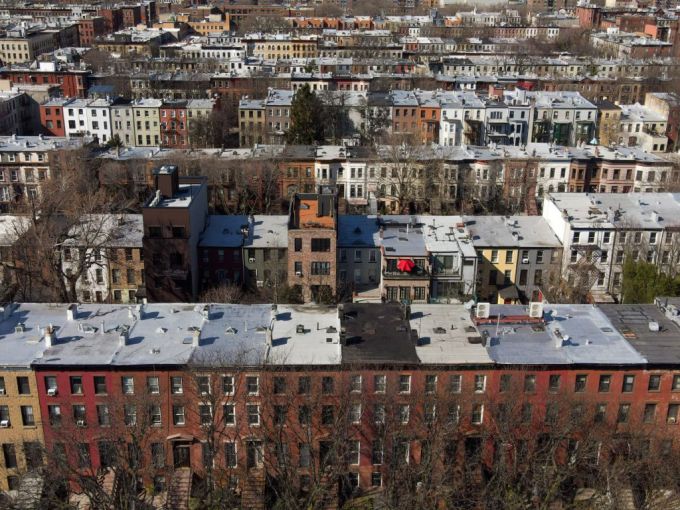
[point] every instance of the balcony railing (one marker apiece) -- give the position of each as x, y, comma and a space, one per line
415, 274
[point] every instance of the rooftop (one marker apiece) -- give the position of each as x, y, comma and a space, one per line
224, 231
567, 335
305, 335
512, 231
268, 232
377, 333
446, 335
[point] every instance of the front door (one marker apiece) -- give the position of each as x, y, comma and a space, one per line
181, 454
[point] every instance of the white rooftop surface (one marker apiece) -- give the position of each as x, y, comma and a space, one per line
402, 241
636, 210
311, 347
182, 198
443, 234
571, 335
223, 230
641, 113
123, 230
443, 332
268, 232
497, 231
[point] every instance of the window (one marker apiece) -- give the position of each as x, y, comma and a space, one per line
624, 412
279, 385
229, 414
205, 414
604, 384
505, 381
228, 384
355, 384
203, 384
327, 385
128, 384
554, 383
79, 415
455, 383
430, 383
580, 383
155, 415
353, 454
178, 417
76, 385
654, 382
103, 417
130, 417
23, 386
600, 412
355, 413
327, 415
254, 455
99, 385
153, 385
84, 460
176, 385
649, 414
158, 455
253, 384
628, 383
54, 415
304, 385
230, 459
675, 386
10, 456
253, 413
477, 414
298, 243
529, 383
404, 411
404, 384
480, 383
508, 257
379, 383
379, 413
323, 244
27, 418
321, 268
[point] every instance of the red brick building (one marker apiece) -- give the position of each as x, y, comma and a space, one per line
91, 28
52, 117
174, 124
73, 82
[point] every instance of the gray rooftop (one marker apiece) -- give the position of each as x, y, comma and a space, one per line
568, 335
444, 333
513, 231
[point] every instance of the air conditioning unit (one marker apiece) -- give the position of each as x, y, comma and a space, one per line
260, 283
525, 261
52, 392
298, 273
251, 260
80, 423
4, 424
483, 310
2, 391
672, 419
536, 309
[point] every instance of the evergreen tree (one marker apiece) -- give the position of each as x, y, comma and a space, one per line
306, 118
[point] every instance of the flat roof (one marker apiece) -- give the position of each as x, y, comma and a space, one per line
443, 335
623, 210
113, 230
182, 198
513, 231
406, 241
305, 335
633, 322
568, 335
268, 232
223, 230
376, 333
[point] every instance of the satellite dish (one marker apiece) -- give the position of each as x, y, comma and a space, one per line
469, 304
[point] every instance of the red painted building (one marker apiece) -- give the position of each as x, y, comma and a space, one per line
73, 82
91, 28
174, 124
52, 117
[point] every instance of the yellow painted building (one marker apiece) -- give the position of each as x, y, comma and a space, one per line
146, 117
21, 433
285, 48
496, 270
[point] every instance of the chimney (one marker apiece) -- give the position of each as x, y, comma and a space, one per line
72, 312
123, 338
196, 339
167, 180
50, 337
102, 329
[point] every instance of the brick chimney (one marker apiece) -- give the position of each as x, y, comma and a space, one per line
167, 180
